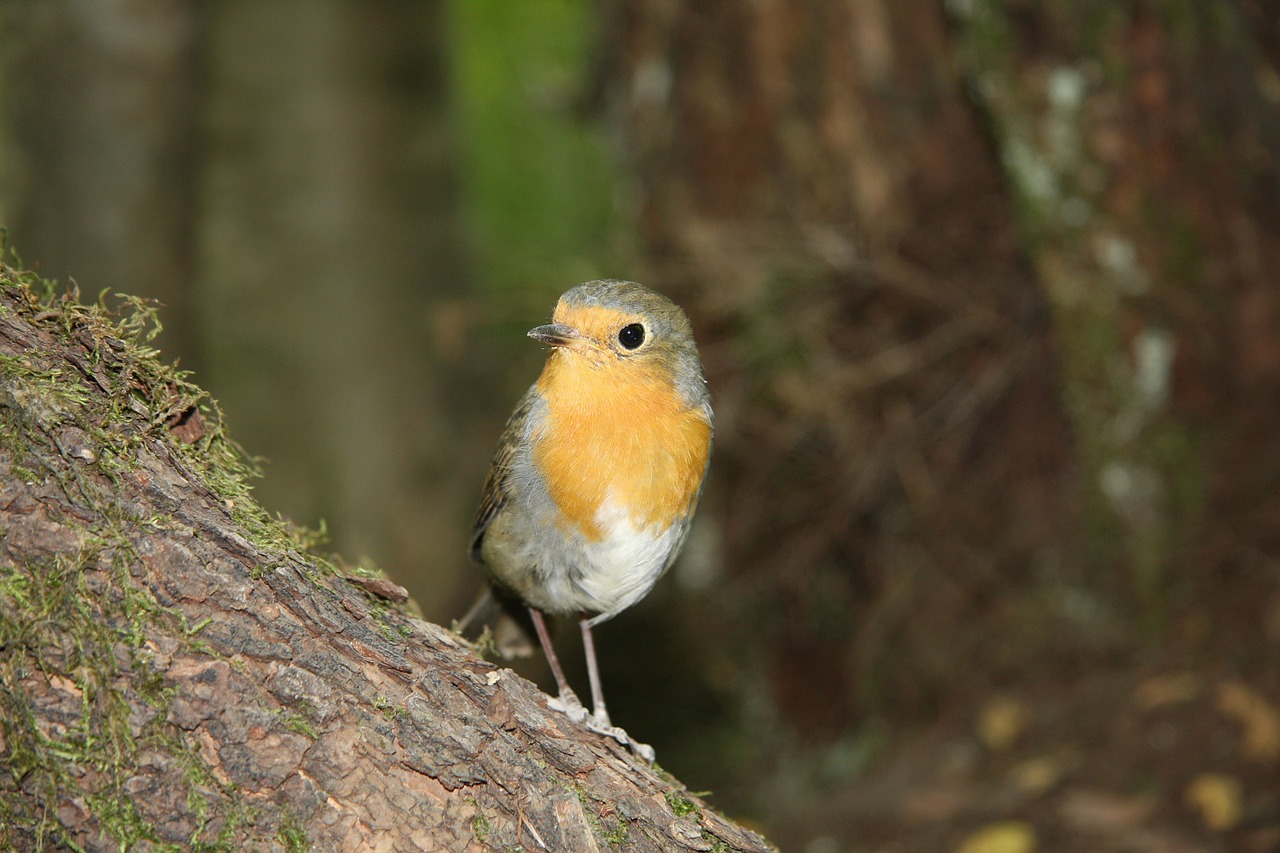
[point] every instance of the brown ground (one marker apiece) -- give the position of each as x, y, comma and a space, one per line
1171, 750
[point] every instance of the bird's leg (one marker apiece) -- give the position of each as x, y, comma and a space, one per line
599, 719
568, 702
598, 710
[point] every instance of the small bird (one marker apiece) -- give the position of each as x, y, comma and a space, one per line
598, 472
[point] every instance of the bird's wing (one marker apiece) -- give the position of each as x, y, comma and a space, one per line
496, 483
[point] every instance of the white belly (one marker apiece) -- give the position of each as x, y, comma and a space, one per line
625, 563
603, 576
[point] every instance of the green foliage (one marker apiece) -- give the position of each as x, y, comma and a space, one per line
540, 192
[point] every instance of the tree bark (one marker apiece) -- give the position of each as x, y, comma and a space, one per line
177, 669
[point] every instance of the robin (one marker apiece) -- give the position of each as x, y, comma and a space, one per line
597, 474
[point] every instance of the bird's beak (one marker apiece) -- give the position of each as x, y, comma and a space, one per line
558, 335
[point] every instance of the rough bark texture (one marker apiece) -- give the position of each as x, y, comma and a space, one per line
176, 670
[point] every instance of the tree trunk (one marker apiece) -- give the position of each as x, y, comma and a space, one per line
1139, 141
176, 669
986, 294
332, 272
101, 133
820, 190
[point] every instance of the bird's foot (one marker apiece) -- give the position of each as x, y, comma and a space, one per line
600, 723
570, 705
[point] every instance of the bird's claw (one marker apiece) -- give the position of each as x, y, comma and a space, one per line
600, 725
571, 706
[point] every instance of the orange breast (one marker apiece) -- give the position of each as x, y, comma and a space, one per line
618, 432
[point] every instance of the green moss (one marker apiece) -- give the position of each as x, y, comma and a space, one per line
485, 646
50, 395
617, 836
142, 398
479, 823
119, 819
75, 622
596, 811
681, 805
388, 633
155, 689
389, 709
292, 835
297, 723
77, 659
81, 657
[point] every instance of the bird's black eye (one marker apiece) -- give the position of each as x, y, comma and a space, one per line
631, 336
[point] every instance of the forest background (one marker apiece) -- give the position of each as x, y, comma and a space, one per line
985, 293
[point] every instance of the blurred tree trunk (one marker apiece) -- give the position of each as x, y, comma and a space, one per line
326, 223
970, 291
332, 272
816, 181
1141, 144
99, 119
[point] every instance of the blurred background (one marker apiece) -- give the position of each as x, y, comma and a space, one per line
986, 294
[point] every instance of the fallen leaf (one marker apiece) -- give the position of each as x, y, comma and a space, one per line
936, 803
1104, 812
1037, 775
1256, 715
1006, 836
1218, 799
1000, 723
1168, 689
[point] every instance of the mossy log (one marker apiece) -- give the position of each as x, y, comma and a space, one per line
178, 670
